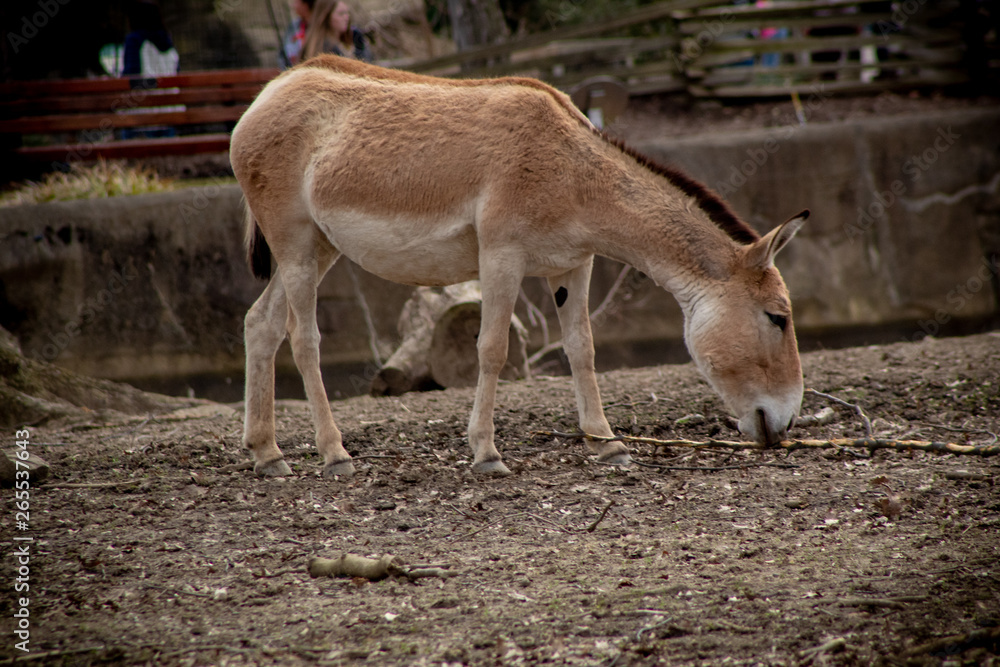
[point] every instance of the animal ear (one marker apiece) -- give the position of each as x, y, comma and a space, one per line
761, 253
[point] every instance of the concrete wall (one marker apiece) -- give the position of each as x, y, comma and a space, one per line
157, 286
906, 212
905, 234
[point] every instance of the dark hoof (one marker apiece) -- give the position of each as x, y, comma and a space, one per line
275, 468
495, 468
339, 468
617, 459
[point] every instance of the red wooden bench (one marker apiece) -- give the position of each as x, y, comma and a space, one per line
61, 121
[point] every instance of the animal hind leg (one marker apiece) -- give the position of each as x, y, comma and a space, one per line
571, 291
301, 279
264, 330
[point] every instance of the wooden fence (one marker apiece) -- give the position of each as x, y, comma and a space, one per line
842, 45
724, 50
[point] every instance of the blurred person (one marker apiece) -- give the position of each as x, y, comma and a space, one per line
331, 32
149, 49
295, 35
148, 52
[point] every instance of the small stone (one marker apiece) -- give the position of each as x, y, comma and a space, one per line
385, 505
690, 420
38, 468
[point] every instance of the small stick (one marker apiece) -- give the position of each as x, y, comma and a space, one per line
894, 603
744, 466
821, 418
800, 113
833, 646
549, 522
631, 404
580, 435
980, 637
648, 628
865, 422
542, 351
424, 572
90, 485
491, 523
599, 311
277, 573
463, 512
592, 527
535, 316
177, 591
565, 529
45, 655
366, 311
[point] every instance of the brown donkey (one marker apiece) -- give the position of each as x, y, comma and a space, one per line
427, 181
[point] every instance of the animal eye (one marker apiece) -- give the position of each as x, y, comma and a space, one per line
779, 321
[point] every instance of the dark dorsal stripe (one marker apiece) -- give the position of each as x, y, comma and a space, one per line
712, 204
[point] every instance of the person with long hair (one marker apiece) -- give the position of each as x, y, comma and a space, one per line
330, 31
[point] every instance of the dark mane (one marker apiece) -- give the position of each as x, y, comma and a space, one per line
711, 203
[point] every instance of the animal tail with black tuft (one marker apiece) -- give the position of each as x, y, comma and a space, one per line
258, 252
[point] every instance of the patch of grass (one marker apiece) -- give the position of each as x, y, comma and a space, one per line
101, 179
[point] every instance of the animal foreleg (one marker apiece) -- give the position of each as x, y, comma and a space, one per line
571, 291
301, 281
500, 285
264, 330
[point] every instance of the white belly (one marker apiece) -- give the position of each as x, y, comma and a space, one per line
436, 251
412, 252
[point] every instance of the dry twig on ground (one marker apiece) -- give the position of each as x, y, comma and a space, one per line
871, 444
566, 529
833, 646
592, 527
986, 637
866, 423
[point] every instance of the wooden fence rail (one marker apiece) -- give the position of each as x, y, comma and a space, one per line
717, 49
84, 119
841, 46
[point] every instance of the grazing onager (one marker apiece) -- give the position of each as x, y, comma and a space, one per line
427, 181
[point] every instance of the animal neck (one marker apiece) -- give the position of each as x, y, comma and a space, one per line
651, 223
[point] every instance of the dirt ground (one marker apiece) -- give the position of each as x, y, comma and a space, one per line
153, 544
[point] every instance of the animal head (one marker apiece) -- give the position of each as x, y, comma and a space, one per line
741, 337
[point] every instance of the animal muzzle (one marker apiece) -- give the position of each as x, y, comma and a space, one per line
767, 427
